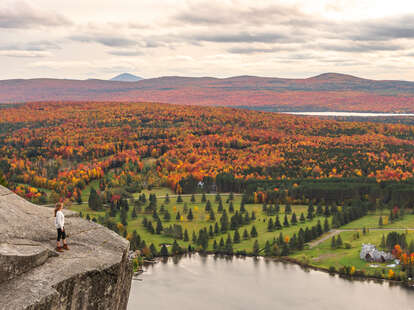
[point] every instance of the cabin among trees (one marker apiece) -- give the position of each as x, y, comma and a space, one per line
370, 253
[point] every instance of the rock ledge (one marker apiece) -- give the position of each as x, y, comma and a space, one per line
94, 274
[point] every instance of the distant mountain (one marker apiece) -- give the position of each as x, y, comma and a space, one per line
126, 77
325, 92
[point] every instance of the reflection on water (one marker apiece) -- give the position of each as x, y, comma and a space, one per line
359, 114
210, 282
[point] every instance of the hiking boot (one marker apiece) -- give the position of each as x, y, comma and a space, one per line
65, 246
59, 249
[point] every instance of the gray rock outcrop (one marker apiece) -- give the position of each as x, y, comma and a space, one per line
94, 274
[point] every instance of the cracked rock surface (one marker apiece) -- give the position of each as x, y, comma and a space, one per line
94, 274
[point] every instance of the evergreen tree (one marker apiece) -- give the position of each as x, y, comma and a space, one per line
178, 216
159, 227
253, 232
267, 249
231, 196
277, 223
285, 221
256, 248
310, 213
319, 229
410, 247
294, 220
3, 180
155, 214
124, 217
208, 206
288, 209
212, 215
326, 227
186, 237
134, 213
333, 243
236, 237
224, 221
253, 217
380, 222
153, 250
192, 198
203, 198
164, 251
94, 201
383, 245
300, 242
215, 245
221, 243
242, 208
194, 237
277, 208
190, 216
319, 210
210, 231
78, 193
245, 234
179, 198
167, 198
216, 229
339, 241
218, 197
175, 249
231, 207
229, 245
220, 206
167, 216
270, 225
302, 218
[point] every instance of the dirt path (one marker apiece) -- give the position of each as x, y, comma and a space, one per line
334, 232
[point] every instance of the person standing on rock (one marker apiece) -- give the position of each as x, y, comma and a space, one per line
60, 226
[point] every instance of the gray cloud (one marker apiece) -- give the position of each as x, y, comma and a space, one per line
21, 16
31, 46
224, 14
107, 40
125, 53
256, 50
358, 47
241, 37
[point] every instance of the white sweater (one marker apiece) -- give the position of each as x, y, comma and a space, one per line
60, 220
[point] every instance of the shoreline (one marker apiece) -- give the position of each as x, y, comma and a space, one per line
289, 260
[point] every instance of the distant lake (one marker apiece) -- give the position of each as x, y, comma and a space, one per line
207, 282
358, 114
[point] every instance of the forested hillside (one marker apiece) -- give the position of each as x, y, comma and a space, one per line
55, 150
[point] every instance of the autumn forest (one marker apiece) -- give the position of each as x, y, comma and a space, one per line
62, 147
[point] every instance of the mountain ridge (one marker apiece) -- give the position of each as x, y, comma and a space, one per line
327, 92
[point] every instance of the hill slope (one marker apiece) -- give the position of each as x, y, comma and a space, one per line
329, 91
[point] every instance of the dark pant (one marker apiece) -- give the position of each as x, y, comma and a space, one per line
61, 234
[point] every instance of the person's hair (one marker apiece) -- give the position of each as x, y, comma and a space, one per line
57, 207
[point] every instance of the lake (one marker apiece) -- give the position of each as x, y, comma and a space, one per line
208, 282
355, 114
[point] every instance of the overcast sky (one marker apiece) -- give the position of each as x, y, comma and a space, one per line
100, 38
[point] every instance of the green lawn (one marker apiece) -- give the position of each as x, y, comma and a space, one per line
371, 221
201, 220
324, 256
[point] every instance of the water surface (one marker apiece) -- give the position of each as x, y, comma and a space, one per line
196, 282
358, 114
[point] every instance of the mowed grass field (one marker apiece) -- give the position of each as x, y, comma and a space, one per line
324, 256
201, 219
372, 221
